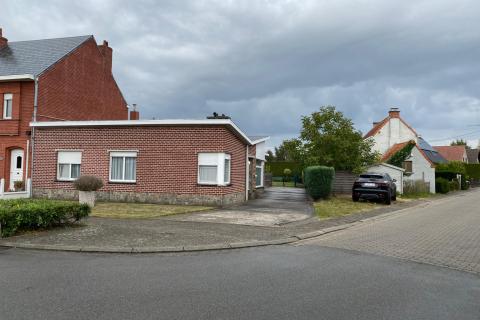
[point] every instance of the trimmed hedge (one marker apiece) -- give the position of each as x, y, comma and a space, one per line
473, 170
319, 181
442, 185
29, 214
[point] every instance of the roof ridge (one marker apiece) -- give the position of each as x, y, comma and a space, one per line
58, 38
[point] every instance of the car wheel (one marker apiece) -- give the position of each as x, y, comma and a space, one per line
388, 199
355, 199
394, 197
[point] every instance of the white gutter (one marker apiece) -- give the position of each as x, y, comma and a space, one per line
17, 77
260, 140
131, 123
247, 176
35, 111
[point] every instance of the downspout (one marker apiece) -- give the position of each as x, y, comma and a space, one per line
247, 177
35, 111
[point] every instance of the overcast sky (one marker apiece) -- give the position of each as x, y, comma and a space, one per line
267, 63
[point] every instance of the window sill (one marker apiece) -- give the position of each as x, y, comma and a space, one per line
65, 180
122, 182
213, 185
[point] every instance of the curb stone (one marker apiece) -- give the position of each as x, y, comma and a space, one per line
223, 246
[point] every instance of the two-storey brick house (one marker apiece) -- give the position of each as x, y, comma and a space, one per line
51, 80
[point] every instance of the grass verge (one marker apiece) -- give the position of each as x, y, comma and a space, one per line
120, 210
341, 206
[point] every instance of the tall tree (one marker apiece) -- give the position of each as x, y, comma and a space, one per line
329, 138
269, 157
460, 142
289, 150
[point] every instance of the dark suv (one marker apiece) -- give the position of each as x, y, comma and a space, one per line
375, 186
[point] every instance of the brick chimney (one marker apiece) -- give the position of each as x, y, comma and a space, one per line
107, 53
3, 40
394, 113
134, 114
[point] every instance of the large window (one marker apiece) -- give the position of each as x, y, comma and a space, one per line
214, 168
7, 106
123, 166
68, 165
259, 174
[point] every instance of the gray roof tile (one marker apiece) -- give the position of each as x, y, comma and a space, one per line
35, 56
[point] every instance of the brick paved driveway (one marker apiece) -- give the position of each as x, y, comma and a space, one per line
444, 232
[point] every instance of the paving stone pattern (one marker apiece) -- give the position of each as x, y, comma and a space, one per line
444, 232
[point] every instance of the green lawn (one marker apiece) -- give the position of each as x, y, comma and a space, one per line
341, 206
290, 184
141, 210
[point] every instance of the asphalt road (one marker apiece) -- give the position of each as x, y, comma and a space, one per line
283, 282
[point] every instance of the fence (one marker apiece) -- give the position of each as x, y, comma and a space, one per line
343, 182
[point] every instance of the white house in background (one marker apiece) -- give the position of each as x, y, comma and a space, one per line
394, 172
392, 134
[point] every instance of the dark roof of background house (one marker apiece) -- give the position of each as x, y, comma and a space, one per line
472, 155
430, 152
36, 56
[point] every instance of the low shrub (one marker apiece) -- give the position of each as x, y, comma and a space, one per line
319, 181
29, 214
88, 183
442, 185
19, 185
454, 185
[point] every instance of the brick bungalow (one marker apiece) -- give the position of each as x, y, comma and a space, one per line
157, 161
49, 80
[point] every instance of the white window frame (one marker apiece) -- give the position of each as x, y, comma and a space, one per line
75, 158
122, 154
7, 97
216, 159
261, 166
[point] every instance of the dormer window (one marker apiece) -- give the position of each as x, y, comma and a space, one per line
7, 106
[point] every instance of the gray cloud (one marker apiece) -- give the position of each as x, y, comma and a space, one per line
267, 63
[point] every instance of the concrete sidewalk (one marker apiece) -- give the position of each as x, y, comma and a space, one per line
163, 235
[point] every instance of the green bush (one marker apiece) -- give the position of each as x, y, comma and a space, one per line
28, 214
319, 181
442, 185
473, 170
453, 185
88, 183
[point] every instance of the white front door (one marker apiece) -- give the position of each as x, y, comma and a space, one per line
16, 167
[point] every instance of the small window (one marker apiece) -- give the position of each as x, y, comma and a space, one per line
7, 106
123, 166
214, 168
68, 165
19, 162
226, 175
407, 165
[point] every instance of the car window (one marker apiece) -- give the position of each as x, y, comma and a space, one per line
371, 176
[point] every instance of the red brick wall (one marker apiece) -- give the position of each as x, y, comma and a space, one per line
81, 87
13, 133
166, 162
